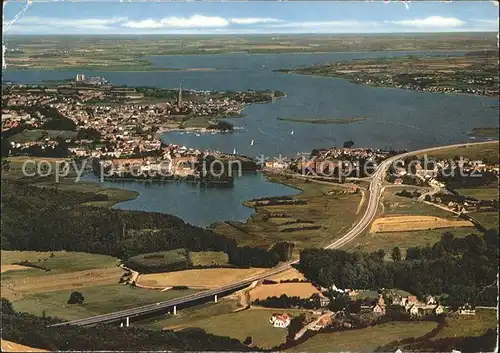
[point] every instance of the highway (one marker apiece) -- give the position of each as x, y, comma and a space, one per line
375, 190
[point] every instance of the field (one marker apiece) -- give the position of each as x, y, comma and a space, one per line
387, 241
99, 299
19, 284
204, 278
185, 316
291, 273
252, 322
411, 223
208, 258
36, 135
489, 220
60, 261
303, 290
6, 268
330, 215
394, 205
463, 325
487, 152
364, 340
480, 193
8, 346
110, 53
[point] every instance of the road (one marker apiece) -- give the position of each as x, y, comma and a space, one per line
375, 190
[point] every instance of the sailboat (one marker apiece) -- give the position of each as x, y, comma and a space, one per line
251, 143
234, 151
291, 133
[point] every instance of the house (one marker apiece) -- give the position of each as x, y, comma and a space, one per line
413, 310
399, 300
429, 300
320, 300
412, 299
280, 320
379, 309
467, 309
438, 310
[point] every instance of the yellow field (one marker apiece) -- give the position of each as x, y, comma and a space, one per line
409, 223
19, 286
5, 268
291, 273
8, 346
204, 278
303, 290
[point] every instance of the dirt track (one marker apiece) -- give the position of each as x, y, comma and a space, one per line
8, 346
409, 223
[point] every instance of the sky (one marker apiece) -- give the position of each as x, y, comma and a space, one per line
259, 17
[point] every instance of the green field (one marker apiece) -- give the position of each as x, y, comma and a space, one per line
386, 241
98, 300
331, 214
61, 261
37, 135
480, 193
399, 205
487, 152
240, 325
185, 317
364, 340
208, 258
468, 326
489, 220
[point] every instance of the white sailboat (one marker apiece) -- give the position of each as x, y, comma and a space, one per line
291, 133
234, 151
251, 143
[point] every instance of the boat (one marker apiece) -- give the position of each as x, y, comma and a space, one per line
251, 143
197, 134
234, 151
291, 133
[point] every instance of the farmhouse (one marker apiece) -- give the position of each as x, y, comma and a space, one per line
467, 309
280, 320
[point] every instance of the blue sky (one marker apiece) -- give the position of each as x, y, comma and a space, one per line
124, 17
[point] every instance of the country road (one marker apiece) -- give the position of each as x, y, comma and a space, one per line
375, 192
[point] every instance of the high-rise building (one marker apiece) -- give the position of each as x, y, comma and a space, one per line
80, 77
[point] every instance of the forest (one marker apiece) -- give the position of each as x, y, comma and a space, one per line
463, 269
50, 219
34, 331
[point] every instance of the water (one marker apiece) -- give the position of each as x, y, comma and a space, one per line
395, 118
199, 205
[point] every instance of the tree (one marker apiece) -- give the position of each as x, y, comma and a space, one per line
295, 326
396, 254
76, 298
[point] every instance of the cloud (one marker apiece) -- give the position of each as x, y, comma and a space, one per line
195, 21
431, 22
54, 22
253, 20
326, 25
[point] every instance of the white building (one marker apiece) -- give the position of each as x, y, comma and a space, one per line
280, 320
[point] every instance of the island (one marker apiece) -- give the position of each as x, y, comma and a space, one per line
324, 121
473, 73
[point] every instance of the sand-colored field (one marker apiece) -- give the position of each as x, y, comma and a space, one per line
289, 274
409, 223
18, 287
303, 290
204, 278
5, 268
8, 346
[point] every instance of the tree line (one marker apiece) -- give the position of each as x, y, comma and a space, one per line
50, 219
464, 268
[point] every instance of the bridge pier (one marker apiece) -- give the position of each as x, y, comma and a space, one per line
175, 310
127, 322
215, 298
